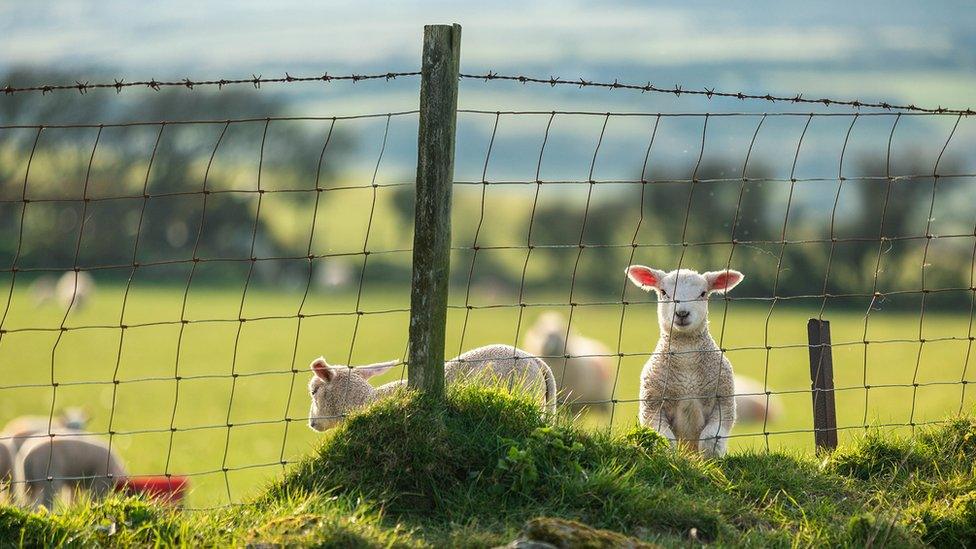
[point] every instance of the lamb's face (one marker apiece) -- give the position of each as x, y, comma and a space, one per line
549, 334
682, 303
682, 306
555, 343
337, 390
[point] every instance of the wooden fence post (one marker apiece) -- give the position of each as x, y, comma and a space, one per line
432, 225
822, 384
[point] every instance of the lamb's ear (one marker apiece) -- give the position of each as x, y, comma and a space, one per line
322, 369
376, 369
645, 278
723, 281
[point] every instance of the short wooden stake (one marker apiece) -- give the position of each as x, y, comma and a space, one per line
822, 384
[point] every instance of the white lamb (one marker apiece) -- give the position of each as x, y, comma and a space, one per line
585, 379
6, 468
687, 384
42, 290
46, 466
74, 289
752, 404
338, 390
21, 429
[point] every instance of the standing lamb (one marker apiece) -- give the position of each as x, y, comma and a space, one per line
585, 379
338, 390
687, 385
77, 460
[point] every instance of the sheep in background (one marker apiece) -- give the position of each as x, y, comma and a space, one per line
585, 380
74, 289
751, 404
76, 460
21, 429
42, 290
687, 384
6, 467
338, 390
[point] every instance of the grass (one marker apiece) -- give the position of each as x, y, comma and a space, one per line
474, 469
270, 356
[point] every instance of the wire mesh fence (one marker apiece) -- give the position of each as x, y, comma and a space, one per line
175, 278
861, 250
144, 289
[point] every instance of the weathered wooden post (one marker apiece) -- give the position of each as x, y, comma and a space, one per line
822, 384
432, 225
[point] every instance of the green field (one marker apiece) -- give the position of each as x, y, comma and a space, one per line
204, 352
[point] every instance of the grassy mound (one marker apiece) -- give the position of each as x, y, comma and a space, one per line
488, 460
477, 470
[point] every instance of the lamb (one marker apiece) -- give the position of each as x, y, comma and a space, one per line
585, 379
6, 467
21, 429
338, 390
687, 385
751, 403
74, 460
74, 289
42, 290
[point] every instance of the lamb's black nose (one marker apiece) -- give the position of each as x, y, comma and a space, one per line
682, 314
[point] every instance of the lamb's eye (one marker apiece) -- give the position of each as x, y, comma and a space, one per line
314, 390
702, 294
665, 294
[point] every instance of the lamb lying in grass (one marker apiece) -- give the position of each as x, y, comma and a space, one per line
338, 390
687, 385
585, 379
77, 460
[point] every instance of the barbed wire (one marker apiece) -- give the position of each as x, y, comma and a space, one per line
256, 81
709, 93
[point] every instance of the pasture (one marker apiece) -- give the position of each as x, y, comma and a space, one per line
162, 425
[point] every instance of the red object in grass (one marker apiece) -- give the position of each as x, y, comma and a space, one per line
170, 489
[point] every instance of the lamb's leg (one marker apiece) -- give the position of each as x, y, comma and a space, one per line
42, 492
656, 419
32, 469
100, 487
714, 437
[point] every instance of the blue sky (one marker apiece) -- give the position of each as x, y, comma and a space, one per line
912, 51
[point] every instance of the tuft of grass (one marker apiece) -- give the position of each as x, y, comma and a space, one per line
571, 534
130, 521
481, 467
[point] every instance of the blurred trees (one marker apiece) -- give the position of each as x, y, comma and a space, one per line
174, 163
720, 219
